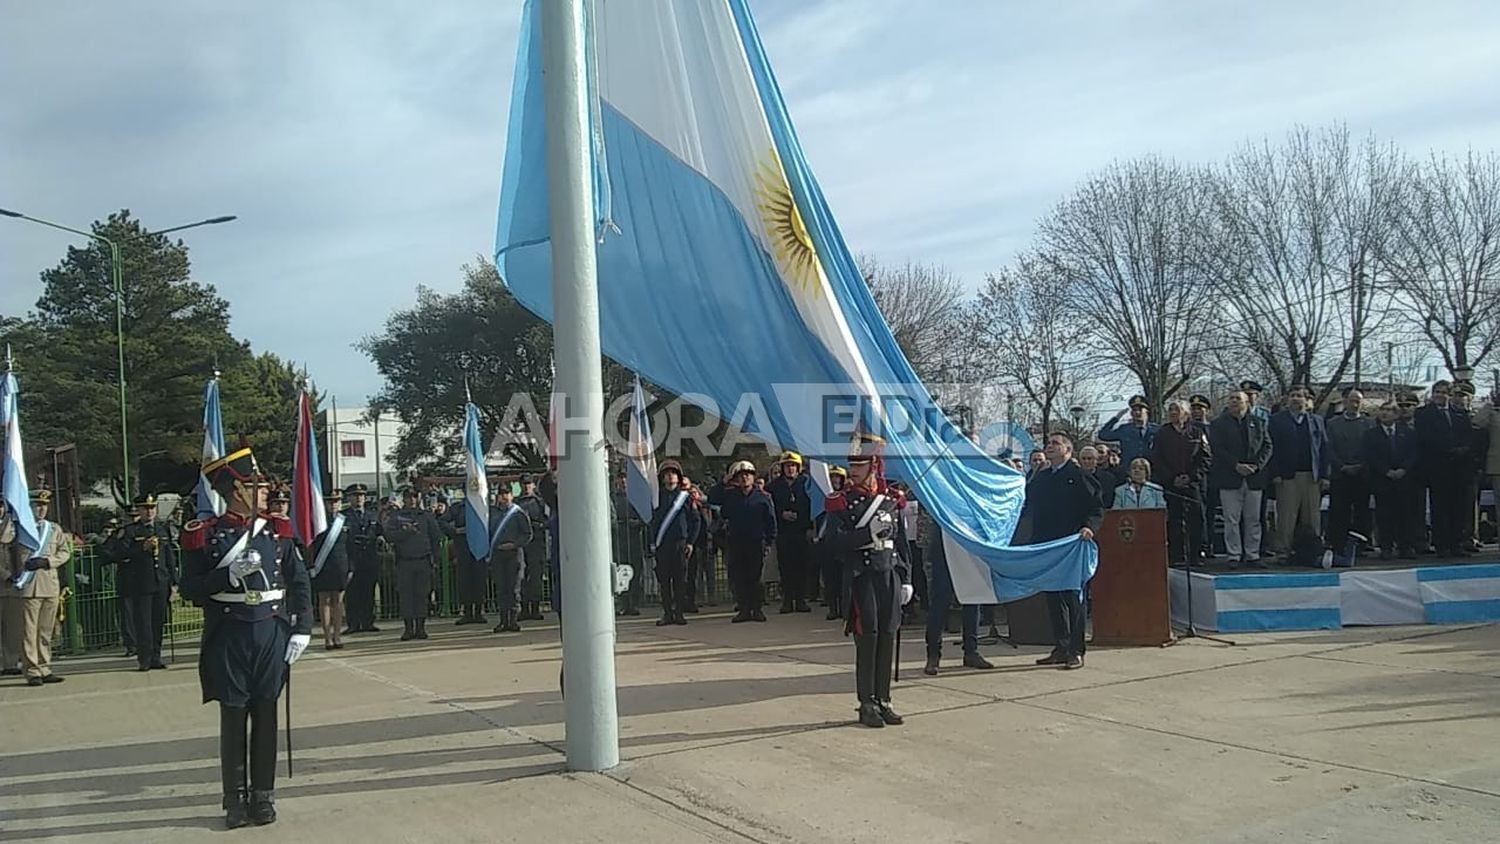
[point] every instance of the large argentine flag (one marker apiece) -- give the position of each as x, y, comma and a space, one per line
476, 485
309, 517
709, 217
210, 503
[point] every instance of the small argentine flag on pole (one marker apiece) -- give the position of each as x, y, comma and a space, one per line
476, 485
17, 494
640, 461
210, 503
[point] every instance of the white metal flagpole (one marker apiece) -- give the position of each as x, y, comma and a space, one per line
593, 738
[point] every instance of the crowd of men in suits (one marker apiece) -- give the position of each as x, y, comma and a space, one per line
1422, 465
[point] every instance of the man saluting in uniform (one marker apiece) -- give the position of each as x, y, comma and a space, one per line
244, 569
871, 544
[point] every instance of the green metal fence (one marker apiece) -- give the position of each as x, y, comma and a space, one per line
90, 609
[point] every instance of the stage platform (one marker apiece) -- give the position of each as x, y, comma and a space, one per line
1426, 591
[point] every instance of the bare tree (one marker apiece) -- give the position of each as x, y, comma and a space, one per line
1032, 330
1291, 241
1447, 255
923, 305
1129, 239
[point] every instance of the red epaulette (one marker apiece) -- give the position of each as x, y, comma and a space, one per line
195, 534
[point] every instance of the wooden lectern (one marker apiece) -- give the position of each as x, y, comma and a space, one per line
1129, 591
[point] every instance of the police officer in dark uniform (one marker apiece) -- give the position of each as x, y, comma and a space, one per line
244, 570
471, 575
534, 555
362, 527
414, 536
869, 539
147, 573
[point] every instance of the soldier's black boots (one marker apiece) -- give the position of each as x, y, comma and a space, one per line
869, 715
262, 807
408, 629
510, 622
232, 756
421, 632
234, 811
888, 715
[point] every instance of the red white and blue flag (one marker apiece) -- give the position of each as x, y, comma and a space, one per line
309, 518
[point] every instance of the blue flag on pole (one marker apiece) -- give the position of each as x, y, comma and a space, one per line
210, 503
709, 216
476, 485
640, 458
17, 494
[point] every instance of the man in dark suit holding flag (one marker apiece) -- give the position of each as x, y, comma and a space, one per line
1062, 501
510, 531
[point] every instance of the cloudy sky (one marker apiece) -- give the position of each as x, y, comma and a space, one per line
360, 142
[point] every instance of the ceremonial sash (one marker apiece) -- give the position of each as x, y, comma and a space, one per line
43, 536
864, 520
329, 538
682, 498
504, 520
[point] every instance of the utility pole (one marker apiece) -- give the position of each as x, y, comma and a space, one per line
588, 626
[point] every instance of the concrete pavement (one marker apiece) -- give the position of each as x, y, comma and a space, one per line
743, 733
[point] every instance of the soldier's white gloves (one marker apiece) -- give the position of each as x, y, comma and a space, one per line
296, 645
906, 592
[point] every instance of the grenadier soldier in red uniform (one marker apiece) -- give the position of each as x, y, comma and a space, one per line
244, 570
869, 540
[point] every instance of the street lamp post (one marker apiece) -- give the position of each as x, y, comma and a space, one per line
119, 291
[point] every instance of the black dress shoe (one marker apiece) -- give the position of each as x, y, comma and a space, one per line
262, 808
143, 668
1054, 658
740, 617
931, 668
869, 715
786, 608
665, 620
833, 615
977, 661
803, 607
33, 681
1073, 663
888, 715
348, 630
158, 666
372, 629
757, 615
679, 619
234, 812
51, 679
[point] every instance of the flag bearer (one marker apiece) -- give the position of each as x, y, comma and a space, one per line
244, 569
789, 492
471, 575
33, 606
510, 530
673, 529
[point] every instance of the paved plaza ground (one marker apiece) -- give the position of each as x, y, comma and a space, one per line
743, 733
